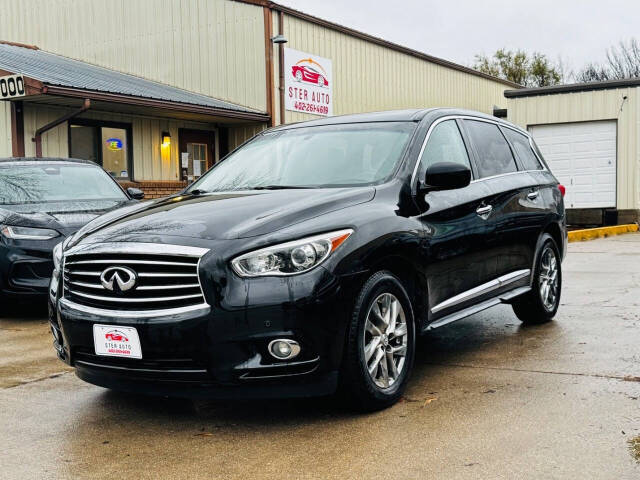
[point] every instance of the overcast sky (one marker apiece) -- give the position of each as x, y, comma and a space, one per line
577, 31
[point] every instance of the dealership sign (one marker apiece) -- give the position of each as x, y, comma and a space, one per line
308, 83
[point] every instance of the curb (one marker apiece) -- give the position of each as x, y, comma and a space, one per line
601, 232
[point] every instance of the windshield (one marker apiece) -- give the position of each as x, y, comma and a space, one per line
35, 183
323, 156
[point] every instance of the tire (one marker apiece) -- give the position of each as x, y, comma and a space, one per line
537, 306
382, 292
298, 76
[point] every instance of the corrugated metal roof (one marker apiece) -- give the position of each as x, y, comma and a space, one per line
56, 70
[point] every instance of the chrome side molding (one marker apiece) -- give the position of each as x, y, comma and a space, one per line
482, 289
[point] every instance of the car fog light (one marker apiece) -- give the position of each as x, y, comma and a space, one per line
284, 349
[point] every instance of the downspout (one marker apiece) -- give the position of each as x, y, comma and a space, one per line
281, 65
38, 135
268, 44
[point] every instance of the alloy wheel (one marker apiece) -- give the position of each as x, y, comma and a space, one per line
548, 278
385, 340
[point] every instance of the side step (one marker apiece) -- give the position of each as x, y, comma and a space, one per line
506, 297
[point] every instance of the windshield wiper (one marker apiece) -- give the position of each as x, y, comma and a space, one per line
198, 191
278, 187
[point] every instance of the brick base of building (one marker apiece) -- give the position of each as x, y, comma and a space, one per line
156, 189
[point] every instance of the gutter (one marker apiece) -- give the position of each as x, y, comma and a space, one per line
38, 135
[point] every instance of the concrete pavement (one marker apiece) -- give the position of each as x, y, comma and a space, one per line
489, 398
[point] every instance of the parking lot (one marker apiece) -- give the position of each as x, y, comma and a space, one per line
488, 399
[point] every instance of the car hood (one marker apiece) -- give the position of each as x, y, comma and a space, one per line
65, 216
219, 215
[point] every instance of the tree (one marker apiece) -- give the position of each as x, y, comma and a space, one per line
623, 61
534, 70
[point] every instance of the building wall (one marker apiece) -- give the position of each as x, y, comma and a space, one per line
151, 161
214, 47
5, 129
240, 134
587, 106
369, 77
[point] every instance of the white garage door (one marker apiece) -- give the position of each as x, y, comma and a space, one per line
582, 156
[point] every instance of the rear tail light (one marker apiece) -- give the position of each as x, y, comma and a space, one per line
562, 189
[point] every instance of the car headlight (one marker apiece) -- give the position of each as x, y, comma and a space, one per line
57, 257
27, 233
289, 258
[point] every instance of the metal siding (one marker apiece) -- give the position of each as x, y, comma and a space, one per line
240, 134
213, 47
149, 162
590, 106
5, 130
369, 77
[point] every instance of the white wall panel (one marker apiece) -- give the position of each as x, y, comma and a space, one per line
5, 129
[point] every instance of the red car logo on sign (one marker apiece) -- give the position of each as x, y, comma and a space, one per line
116, 336
309, 74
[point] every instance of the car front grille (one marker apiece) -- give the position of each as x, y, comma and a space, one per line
164, 276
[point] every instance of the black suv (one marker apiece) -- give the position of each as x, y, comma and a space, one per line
308, 260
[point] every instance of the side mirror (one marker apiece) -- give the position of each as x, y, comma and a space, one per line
135, 193
446, 176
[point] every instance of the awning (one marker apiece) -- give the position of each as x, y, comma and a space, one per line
56, 80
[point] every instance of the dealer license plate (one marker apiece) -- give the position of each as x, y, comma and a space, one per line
116, 341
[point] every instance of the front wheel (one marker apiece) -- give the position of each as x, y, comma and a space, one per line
541, 303
380, 344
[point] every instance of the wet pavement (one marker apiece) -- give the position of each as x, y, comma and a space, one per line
489, 398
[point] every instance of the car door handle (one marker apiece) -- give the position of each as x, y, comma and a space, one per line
484, 211
533, 195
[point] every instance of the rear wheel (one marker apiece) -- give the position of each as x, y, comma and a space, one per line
541, 303
380, 344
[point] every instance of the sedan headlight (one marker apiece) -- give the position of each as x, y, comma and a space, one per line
57, 257
289, 258
27, 233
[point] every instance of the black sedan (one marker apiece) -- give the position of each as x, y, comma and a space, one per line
42, 201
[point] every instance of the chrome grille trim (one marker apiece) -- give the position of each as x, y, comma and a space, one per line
178, 266
158, 315
137, 300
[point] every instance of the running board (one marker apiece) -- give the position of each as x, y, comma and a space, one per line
506, 297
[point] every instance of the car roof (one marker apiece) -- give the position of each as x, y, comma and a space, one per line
408, 115
45, 160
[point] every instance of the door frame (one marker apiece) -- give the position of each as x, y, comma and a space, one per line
190, 135
90, 122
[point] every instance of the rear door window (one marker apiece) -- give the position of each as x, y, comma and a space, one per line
523, 149
494, 153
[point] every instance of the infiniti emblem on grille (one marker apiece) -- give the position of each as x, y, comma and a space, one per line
118, 278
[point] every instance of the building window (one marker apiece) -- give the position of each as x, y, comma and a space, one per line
105, 143
197, 159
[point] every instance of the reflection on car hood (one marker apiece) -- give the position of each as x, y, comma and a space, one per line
65, 216
220, 215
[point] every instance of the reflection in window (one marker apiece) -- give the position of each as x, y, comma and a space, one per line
106, 146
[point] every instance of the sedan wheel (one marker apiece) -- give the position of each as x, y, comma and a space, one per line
385, 340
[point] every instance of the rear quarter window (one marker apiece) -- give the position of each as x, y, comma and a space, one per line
494, 153
523, 149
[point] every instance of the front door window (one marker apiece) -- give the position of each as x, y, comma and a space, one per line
197, 160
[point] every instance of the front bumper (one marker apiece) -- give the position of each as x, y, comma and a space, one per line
26, 269
220, 350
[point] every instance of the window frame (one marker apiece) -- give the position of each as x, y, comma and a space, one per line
127, 127
515, 152
477, 154
460, 118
